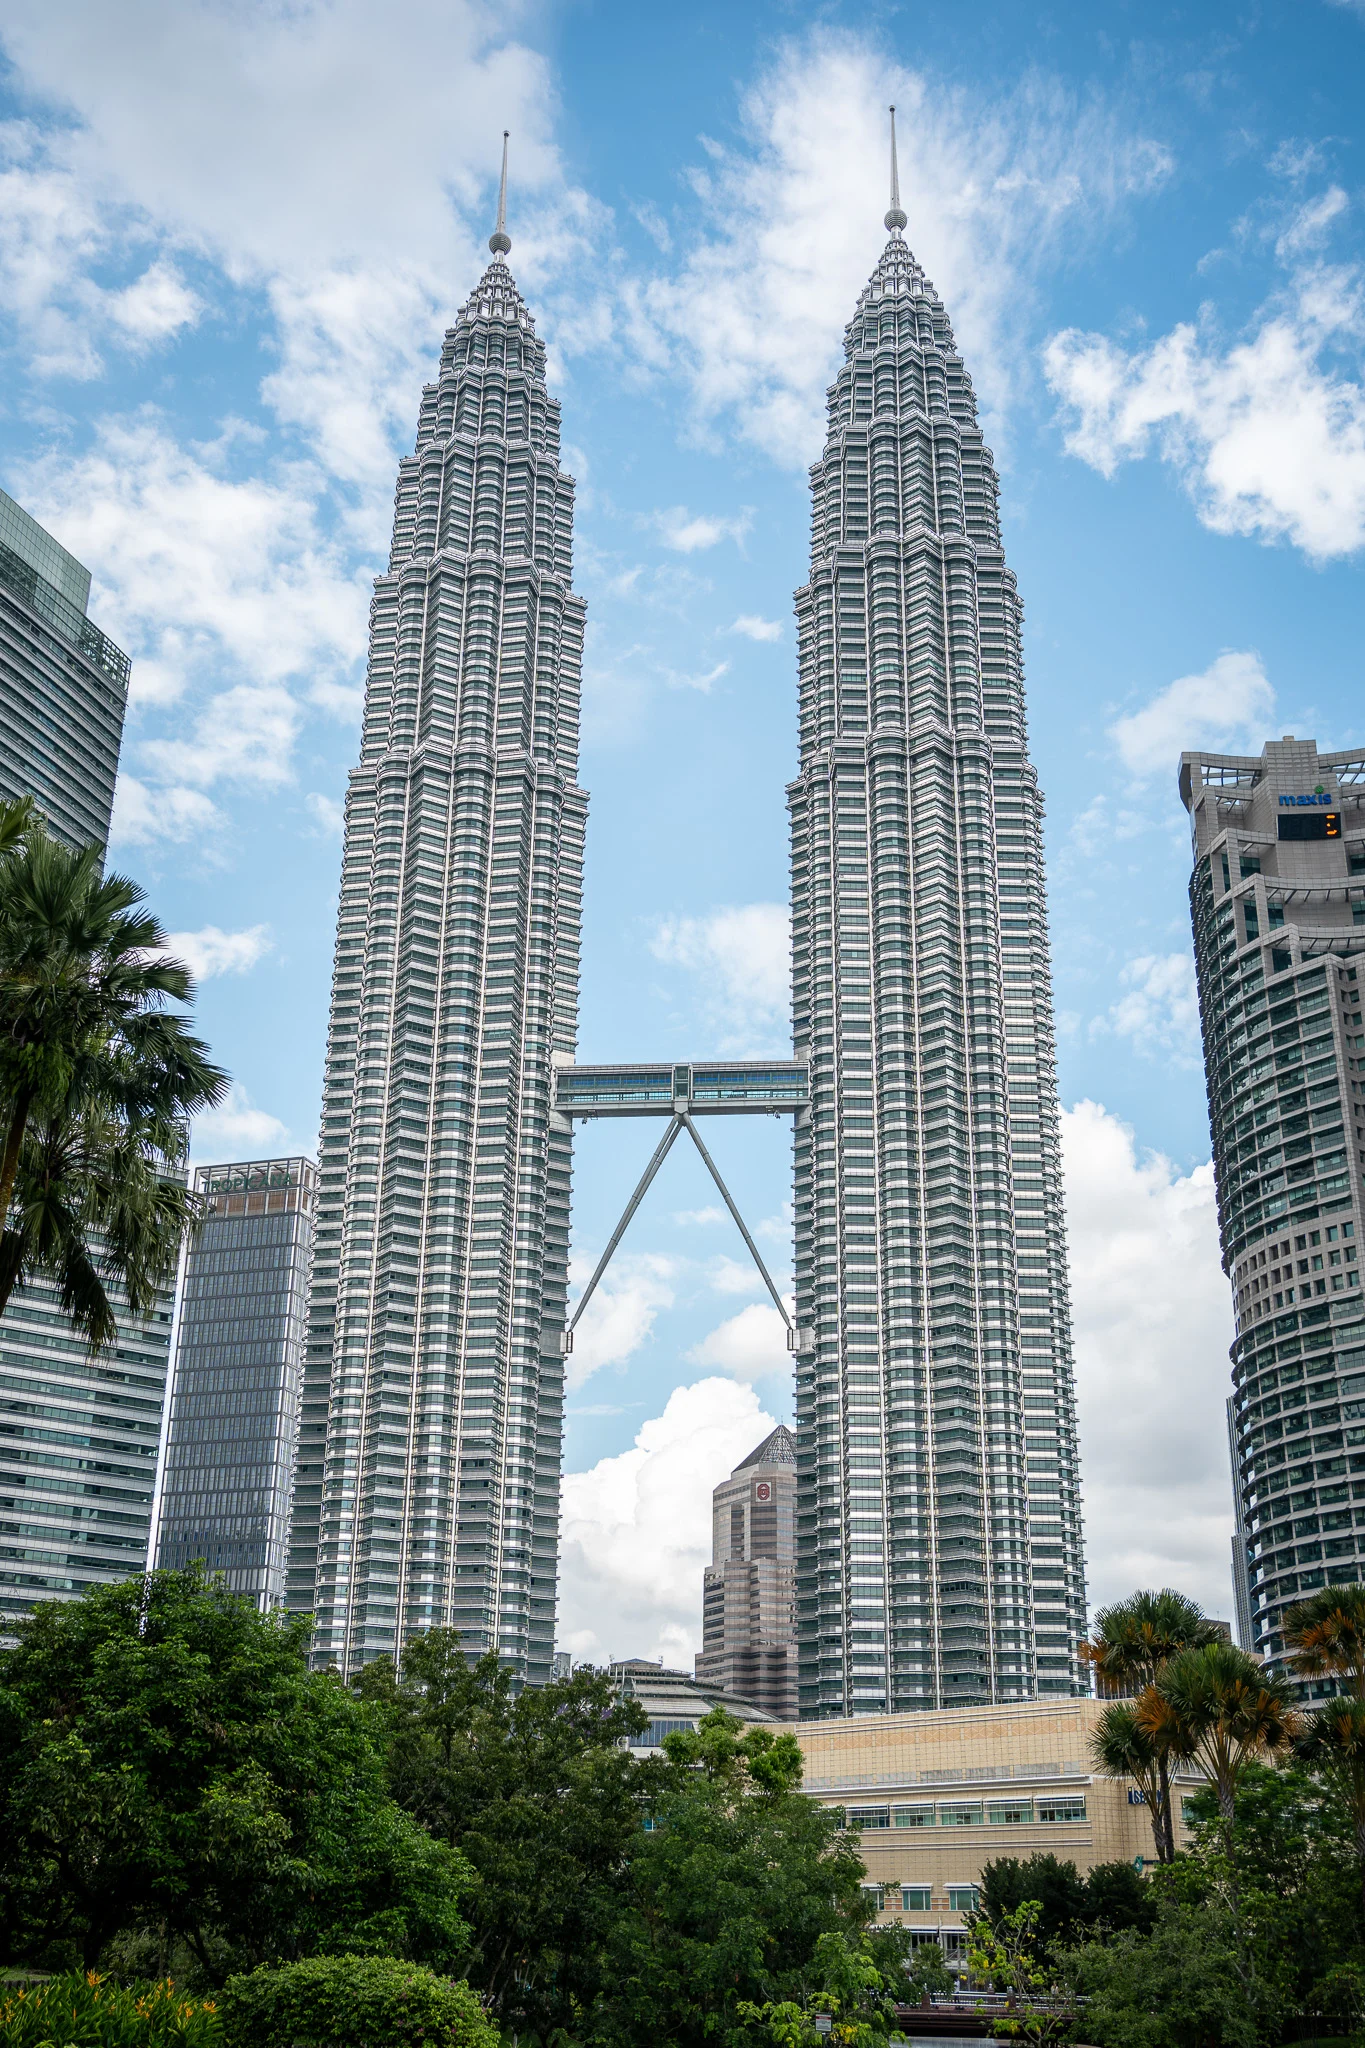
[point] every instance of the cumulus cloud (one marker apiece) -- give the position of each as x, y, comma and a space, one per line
637, 1527
994, 187
689, 533
236, 1130
156, 305
142, 817
743, 955
1159, 1008
753, 627
1265, 432
210, 951
326, 812
749, 1346
1153, 1321
621, 1315
1229, 703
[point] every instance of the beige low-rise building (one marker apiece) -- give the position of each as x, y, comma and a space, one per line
938, 1795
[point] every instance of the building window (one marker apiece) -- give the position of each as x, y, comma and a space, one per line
914, 1816
963, 1898
869, 1817
959, 1816
916, 1898
1067, 1807
1009, 1812
875, 1894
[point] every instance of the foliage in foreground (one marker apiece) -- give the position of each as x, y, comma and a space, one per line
172, 1778
372, 2001
88, 2011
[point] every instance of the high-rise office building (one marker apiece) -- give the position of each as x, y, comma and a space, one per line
63, 684
233, 1430
748, 1644
939, 1555
1277, 898
78, 1436
428, 1479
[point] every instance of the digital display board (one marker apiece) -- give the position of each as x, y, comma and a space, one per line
1310, 824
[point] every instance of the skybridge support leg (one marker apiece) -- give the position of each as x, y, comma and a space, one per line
728, 1200
664, 1148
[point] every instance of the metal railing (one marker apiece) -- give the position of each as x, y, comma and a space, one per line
57, 611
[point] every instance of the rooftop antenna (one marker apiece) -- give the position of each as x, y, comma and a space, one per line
895, 213
500, 241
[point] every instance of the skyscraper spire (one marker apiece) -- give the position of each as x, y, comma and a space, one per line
895, 213
500, 241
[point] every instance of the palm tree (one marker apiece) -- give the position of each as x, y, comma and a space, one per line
98, 1080
1332, 1741
1122, 1749
1134, 1641
1326, 1634
1217, 1706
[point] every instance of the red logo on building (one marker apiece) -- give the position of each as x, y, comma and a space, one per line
763, 1491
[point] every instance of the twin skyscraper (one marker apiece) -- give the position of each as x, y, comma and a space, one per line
938, 1527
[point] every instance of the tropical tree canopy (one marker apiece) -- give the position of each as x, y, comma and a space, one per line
1326, 1636
99, 1076
1219, 1707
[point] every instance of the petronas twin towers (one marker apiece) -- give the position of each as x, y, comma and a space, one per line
939, 1540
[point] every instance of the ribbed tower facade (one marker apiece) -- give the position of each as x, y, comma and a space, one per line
939, 1552
428, 1481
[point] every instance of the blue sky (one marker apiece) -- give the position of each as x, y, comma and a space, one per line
230, 237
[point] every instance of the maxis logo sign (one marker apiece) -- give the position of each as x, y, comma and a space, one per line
1317, 796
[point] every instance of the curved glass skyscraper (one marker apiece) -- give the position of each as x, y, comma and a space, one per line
939, 1541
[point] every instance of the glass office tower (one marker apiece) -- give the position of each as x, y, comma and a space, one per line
939, 1552
63, 684
749, 1588
1277, 898
234, 1420
428, 1482
78, 1437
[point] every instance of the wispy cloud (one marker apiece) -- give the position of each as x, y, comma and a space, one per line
210, 951
1229, 702
690, 533
755, 628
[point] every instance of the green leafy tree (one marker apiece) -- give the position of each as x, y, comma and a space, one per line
98, 1081
1009, 1954
1326, 1636
1134, 1640
731, 1888
170, 1771
1070, 1906
853, 1983
543, 1796
1179, 1986
377, 2000
1332, 1742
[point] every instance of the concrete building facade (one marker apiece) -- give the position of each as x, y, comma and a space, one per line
749, 1587
63, 684
936, 1796
428, 1478
1277, 899
939, 1555
232, 1436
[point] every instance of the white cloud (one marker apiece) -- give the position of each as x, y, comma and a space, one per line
688, 533
714, 1214
1159, 1009
143, 816
1153, 1321
236, 1130
157, 305
211, 951
701, 683
621, 1315
749, 1346
735, 1276
994, 190
326, 812
637, 1527
1230, 701
1267, 434
755, 628
743, 954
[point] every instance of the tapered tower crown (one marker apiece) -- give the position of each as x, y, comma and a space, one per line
500, 242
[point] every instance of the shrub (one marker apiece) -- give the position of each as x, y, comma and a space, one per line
363, 2001
89, 2012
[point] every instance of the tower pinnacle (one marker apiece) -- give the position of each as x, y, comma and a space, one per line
500, 241
895, 213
